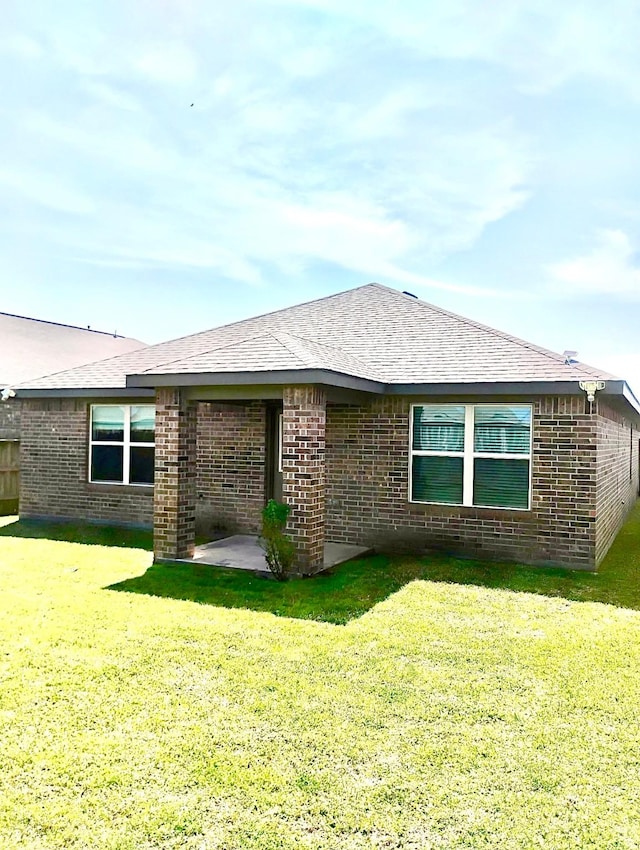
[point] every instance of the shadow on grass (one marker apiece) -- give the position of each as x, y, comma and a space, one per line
617, 581
335, 596
78, 532
351, 589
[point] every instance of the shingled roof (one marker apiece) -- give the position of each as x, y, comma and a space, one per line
33, 347
372, 332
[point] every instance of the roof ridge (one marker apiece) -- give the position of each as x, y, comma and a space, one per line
240, 341
270, 313
531, 346
114, 335
336, 347
278, 333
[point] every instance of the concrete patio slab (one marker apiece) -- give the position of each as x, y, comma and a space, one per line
243, 552
338, 553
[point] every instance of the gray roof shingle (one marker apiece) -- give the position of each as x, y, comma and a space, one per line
370, 332
33, 347
268, 352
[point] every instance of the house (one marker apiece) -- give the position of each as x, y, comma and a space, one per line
30, 348
382, 420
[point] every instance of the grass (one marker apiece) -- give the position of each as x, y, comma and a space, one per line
350, 590
447, 716
77, 532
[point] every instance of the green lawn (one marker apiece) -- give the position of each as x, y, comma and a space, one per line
352, 589
446, 716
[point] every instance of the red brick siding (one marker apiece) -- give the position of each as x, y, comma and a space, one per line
175, 475
584, 475
53, 469
231, 466
563, 482
617, 476
367, 488
303, 471
230, 479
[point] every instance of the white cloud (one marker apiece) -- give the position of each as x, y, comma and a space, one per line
389, 272
119, 145
22, 46
260, 173
542, 42
48, 190
626, 366
323, 131
111, 95
170, 62
611, 268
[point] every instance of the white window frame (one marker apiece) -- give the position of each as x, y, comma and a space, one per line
468, 455
127, 443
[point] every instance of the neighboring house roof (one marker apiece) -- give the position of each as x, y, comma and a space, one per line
372, 332
33, 347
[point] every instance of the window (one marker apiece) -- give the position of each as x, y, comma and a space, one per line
474, 455
122, 443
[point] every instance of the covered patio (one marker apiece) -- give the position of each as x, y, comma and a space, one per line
288, 464
243, 552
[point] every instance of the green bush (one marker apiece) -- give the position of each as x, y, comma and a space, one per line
279, 549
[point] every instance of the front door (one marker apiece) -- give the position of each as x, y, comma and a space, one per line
273, 453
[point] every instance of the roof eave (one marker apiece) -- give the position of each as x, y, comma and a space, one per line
616, 389
496, 388
629, 396
143, 386
277, 377
84, 392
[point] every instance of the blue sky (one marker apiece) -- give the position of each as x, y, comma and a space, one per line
484, 156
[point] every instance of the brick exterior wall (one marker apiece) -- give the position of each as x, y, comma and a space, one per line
303, 472
10, 419
584, 477
617, 473
174, 514
368, 481
564, 466
231, 467
54, 469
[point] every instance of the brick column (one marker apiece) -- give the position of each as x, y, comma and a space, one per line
174, 498
303, 472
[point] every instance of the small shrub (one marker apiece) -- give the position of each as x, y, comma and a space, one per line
279, 549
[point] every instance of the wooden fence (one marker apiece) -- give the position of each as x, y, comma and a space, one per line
9, 476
